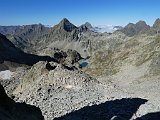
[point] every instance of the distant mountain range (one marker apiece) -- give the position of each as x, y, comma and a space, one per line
99, 28
65, 35
131, 29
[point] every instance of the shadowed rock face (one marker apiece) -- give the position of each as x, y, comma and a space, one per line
9, 110
111, 110
150, 116
8, 52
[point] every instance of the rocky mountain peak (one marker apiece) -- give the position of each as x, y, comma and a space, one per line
157, 23
66, 25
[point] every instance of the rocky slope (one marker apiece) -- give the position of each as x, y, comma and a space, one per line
58, 90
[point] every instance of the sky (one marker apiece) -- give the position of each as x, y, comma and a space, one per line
97, 12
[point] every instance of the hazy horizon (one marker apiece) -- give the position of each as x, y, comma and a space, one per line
97, 12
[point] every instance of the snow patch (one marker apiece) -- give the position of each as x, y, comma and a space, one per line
68, 86
7, 74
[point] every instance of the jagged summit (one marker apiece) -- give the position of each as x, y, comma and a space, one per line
157, 23
66, 25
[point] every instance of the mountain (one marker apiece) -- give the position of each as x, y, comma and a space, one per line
64, 35
156, 24
32, 38
134, 29
62, 31
9, 29
141, 27
37, 38
27, 36
8, 52
88, 25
